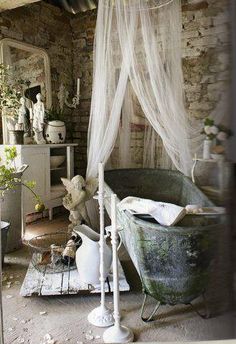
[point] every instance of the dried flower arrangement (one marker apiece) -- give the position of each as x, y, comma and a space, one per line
219, 133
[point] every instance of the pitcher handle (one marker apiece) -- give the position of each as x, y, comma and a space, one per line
108, 235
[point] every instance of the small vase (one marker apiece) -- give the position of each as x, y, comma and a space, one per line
207, 149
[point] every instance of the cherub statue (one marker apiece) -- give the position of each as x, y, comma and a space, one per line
79, 192
38, 120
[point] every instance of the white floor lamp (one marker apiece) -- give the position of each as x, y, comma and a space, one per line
117, 333
101, 316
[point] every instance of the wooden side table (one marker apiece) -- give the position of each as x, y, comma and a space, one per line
217, 194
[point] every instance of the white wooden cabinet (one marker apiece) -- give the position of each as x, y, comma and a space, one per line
38, 160
48, 183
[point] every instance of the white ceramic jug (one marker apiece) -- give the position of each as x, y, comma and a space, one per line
88, 256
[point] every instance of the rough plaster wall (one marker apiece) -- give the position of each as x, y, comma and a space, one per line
206, 67
47, 27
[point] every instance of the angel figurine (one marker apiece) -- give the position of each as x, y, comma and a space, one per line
38, 120
79, 192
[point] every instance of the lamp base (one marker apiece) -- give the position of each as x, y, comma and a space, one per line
118, 334
101, 317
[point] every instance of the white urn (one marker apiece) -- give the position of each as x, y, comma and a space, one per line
88, 256
55, 132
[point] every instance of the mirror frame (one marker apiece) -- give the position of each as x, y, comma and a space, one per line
8, 42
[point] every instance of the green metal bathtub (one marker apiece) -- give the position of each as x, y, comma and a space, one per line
173, 262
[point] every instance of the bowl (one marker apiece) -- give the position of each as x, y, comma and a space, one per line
56, 160
41, 247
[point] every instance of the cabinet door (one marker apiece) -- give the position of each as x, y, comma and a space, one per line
38, 171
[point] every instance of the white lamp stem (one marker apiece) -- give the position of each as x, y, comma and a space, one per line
101, 211
114, 238
101, 316
116, 333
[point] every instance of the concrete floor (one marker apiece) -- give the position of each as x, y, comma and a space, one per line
65, 317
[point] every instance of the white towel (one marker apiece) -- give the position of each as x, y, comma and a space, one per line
166, 214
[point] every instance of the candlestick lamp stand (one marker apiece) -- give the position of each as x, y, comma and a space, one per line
116, 333
101, 316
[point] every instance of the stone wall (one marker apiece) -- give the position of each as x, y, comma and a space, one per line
206, 67
47, 27
83, 28
206, 55
69, 43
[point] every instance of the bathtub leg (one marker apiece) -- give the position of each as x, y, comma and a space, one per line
150, 317
207, 313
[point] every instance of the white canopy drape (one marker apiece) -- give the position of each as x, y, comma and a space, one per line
143, 46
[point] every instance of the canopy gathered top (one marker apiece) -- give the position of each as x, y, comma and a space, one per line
148, 4
138, 58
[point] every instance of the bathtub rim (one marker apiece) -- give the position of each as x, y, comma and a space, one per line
156, 226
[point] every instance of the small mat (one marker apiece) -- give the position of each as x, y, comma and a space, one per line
64, 283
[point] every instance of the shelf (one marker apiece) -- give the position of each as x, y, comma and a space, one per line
207, 160
58, 168
57, 191
49, 145
211, 190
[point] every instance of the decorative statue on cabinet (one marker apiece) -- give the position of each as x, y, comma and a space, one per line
38, 120
79, 192
23, 118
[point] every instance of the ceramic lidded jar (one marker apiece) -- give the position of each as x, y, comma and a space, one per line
55, 132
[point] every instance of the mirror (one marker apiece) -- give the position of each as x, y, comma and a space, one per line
28, 63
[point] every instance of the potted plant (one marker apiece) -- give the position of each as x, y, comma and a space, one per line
216, 135
55, 130
10, 178
10, 93
10, 189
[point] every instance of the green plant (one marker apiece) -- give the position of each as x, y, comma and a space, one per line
11, 90
9, 179
54, 114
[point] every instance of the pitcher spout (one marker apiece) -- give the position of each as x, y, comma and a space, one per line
86, 233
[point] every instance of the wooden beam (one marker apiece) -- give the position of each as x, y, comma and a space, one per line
11, 4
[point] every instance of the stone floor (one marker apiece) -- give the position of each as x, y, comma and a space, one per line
28, 320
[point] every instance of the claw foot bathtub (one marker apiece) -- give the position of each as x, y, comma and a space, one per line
173, 262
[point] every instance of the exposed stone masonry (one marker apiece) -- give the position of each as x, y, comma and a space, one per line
47, 27
69, 39
83, 28
206, 66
